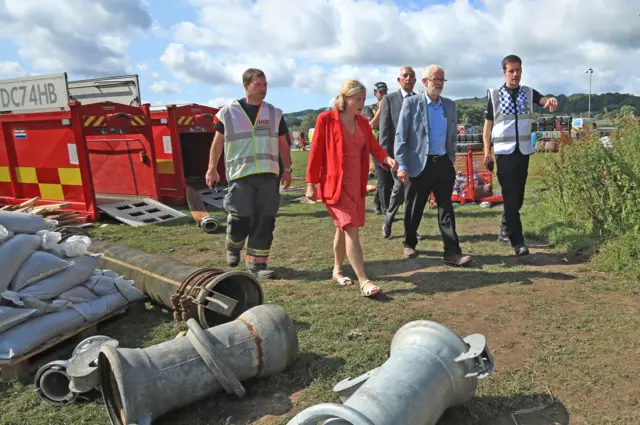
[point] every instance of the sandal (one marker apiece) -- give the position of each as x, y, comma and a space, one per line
343, 281
373, 290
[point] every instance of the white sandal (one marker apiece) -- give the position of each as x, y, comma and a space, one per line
343, 281
373, 290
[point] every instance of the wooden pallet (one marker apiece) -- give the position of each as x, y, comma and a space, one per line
60, 347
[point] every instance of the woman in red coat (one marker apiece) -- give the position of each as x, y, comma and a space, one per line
337, 173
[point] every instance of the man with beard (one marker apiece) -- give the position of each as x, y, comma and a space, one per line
425, 149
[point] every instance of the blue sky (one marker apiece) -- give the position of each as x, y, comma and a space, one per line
195, 50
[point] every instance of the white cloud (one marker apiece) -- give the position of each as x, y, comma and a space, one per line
11, 69
164, 87
314, 45
58, 35
219, 102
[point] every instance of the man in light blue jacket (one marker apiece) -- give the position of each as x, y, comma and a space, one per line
425, 149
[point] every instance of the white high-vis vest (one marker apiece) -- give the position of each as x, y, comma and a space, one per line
248, 148
503, 134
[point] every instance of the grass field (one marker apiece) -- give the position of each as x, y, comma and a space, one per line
553, 324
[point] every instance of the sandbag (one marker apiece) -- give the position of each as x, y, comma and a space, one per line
10, 316
39, 265
5, 235
41, 307
102, 285
79, 294
49, 288
75, 246
23, 338
103, 306
19, 222
12, 254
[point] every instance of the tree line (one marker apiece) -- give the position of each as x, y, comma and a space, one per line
608, 106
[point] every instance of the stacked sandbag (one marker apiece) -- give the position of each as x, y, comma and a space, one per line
49, 287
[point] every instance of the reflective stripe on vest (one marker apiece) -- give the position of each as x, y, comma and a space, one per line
503, 134
250, 148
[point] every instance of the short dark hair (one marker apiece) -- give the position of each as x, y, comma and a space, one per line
250, 74
510, 59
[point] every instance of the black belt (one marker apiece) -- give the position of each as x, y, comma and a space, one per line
435, 158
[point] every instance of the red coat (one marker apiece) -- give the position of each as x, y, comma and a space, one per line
325, 167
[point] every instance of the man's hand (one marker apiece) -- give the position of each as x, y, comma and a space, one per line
312, 192
393, 165
551, 104
488, 162
211, 177
403, 176
286, 179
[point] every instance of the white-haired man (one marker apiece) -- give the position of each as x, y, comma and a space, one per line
425, 149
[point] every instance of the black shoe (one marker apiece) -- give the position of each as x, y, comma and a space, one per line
377, 211
521, 250
504, 239
418, 236
386, 229
233, 259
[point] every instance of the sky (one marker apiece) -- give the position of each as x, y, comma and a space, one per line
195, 51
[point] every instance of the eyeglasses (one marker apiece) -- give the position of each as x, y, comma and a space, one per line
438, 80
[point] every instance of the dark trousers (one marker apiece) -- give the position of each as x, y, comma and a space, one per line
438, 177
513, 170
385, 185
252, 203
396, 199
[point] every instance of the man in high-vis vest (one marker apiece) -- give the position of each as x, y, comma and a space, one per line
372, 112
253, 135
508, 126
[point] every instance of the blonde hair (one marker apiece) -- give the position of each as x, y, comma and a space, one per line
348, 89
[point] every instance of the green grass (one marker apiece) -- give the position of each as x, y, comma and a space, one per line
552, 323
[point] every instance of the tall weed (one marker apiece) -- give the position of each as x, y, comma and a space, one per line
593, 192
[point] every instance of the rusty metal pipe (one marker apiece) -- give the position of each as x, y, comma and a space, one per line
213, 296
140, 385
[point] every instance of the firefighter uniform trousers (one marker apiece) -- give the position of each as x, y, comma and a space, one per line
252, 203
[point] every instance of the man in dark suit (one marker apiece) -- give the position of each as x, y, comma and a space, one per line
393, 189
425, 149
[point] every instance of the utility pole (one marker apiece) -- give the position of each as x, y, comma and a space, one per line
590, 72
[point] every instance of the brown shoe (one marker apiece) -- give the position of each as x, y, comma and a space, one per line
409, 253
458, 260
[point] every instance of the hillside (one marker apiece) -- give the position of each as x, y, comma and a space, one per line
471, 110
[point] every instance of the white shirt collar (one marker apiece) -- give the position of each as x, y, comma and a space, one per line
404, 93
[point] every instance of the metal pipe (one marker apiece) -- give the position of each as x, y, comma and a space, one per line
209, 224
140, 385
213, 296
429, 370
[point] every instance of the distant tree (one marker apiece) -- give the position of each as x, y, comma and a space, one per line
293, 122
308, 121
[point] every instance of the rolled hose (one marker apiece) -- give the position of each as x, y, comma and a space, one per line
321, 412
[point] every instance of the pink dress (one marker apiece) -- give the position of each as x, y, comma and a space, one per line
349, 210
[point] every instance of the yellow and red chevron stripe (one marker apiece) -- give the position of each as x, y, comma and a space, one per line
184, 120
93, 121
137, 121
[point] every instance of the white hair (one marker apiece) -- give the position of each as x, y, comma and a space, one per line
429, 70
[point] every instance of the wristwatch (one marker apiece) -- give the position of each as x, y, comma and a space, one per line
288, 169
